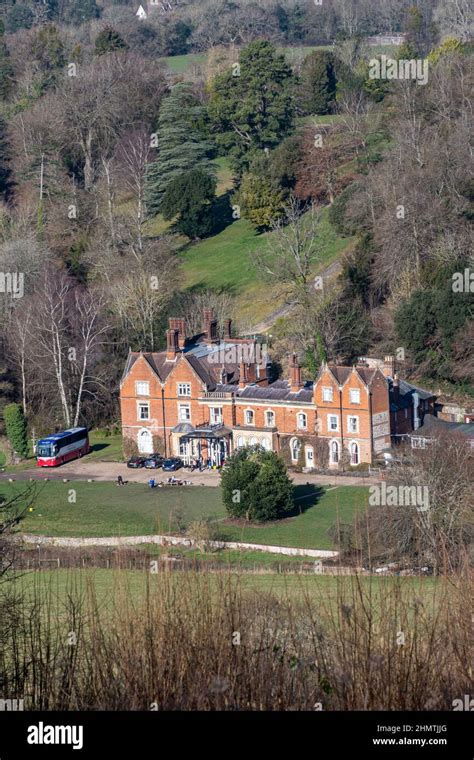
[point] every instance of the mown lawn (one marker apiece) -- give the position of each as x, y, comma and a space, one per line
104, 448
78, 508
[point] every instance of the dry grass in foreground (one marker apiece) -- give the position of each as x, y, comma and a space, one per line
201, 641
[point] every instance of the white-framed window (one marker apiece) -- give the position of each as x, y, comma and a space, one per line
184, 389
270, 418
295, 448
354, 395
266, 443
333, 422
328, 394
215, 415
334, 452
253, 442
301, 421
240, 441
142, 388
249, 417
184, 412
354, 452
353, 424
418, 443
143, 410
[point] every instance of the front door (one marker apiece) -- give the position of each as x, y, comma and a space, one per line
145, 442
309, 457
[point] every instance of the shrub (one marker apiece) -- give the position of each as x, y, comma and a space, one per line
255, 485
130, 448
16, 429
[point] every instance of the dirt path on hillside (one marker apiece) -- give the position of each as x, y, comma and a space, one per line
283, 311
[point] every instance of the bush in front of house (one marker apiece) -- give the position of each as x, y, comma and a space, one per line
256, 486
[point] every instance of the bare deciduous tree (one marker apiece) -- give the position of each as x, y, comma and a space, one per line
294, 251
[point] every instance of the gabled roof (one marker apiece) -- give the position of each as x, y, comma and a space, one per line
156, 361
342, 374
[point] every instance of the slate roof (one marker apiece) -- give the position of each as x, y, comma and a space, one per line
405, 395
432, 424
280, 390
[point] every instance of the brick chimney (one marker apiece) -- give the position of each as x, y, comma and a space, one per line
295, 375
396, 387
209, 326
228, 329
251, 372
172, 344
242, 375
262, 376
388, 368
179, 324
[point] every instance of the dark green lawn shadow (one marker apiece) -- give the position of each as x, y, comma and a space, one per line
99, 446
305, 497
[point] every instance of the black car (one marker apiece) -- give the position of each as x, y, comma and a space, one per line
154, 461
136, 462
172, 464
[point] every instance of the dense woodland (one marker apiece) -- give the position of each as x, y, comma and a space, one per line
109, 167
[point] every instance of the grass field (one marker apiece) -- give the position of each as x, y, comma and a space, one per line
103, 449
227, 262
103, 509
111, 584
179, 64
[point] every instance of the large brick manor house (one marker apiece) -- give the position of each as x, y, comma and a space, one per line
205, 396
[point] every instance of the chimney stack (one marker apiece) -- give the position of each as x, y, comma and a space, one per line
396, 387
179, 324
388, 366
209, 326
295, 375
172, 344
242, 375
251, 372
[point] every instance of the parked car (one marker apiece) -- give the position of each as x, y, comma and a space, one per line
136, 462
154, 461
172, 463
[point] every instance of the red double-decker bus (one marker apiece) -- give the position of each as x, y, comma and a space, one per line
62, 447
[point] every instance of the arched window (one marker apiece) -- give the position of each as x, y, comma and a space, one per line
266, 444
354, 449
240, 441
249, 417
334, 452
253, 442
270, 418
295, 448
302, 421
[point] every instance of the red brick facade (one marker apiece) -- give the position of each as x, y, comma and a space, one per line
220, 387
